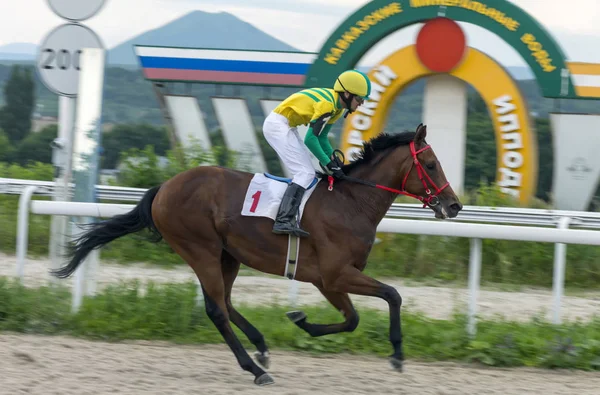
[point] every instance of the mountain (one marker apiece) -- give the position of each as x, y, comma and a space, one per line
199, 29
196, 29
25, 52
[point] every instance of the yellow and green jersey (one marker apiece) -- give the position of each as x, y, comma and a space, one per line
320, 108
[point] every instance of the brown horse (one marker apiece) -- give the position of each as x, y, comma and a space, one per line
198, 213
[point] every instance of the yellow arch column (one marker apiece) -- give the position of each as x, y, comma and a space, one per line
517, 159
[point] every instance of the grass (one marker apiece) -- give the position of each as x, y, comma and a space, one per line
168, 312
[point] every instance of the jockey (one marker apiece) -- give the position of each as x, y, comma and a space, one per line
320, 108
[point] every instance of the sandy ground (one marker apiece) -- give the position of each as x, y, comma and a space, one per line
435, 302
65, 366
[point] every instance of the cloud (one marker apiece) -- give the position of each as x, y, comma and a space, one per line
578, 17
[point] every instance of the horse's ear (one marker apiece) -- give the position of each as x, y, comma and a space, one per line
420, 134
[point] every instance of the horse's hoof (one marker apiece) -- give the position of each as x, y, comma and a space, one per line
296, 316
264, 379
263, 359
397, 364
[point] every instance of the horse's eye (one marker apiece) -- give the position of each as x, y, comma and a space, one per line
430, 165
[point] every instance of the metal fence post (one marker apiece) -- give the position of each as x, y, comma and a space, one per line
558, 279
474, 281
23, 229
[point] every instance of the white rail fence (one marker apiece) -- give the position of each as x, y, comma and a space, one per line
496, 215
549, 226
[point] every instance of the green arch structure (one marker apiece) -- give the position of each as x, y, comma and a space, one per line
379, 18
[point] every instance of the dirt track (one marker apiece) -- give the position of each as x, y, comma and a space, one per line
61, 365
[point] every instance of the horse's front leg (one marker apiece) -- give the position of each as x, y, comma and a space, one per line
352, 280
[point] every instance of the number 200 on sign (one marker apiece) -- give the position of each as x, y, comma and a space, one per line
62, 59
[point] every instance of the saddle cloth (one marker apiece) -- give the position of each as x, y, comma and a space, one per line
264, 195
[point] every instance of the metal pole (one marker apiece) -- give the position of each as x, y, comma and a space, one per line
23, 229
79, 280
58, 227
474, 281
85, 150
558, 279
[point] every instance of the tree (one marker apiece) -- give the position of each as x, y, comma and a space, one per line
36, 146
140, 168
6, 149
19, 96
123, 138
480, 163
545, 158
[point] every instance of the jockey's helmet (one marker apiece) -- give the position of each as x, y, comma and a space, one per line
355, 82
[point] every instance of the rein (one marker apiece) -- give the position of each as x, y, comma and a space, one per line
431, 199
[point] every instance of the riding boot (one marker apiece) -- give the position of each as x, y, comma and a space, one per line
286, 221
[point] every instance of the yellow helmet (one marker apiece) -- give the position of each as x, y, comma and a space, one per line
354, 82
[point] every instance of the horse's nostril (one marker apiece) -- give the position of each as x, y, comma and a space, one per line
456, 207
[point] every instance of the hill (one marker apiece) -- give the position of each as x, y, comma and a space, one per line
22, 52
197, 29
200, 29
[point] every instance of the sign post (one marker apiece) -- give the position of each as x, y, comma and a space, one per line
59, 67
85, 154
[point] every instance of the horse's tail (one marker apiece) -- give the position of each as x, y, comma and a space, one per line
104, 232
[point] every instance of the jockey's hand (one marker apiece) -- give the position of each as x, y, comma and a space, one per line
335, 169
337, 160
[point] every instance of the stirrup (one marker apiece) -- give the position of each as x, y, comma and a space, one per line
282, 228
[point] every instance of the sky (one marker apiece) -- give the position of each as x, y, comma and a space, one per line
305, 24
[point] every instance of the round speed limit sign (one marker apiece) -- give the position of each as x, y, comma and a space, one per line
76, 10
58, 57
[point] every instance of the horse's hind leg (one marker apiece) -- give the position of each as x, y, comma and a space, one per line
230, 267
206, 263
341, 301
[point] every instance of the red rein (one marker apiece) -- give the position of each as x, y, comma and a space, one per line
430, 199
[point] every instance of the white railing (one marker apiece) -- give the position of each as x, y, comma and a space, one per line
474, 231
495, 215
14, 186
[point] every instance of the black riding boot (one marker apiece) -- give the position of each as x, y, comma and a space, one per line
286, 216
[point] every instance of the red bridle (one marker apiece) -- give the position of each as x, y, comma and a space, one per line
431, 199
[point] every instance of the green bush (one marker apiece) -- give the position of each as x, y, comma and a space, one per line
32, 171
169, 312
39, 225
142, 168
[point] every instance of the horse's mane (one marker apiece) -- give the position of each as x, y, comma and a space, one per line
377, 144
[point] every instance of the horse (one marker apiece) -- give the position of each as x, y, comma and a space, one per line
198, 213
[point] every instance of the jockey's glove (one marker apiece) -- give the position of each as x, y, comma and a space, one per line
337, 160
335, 169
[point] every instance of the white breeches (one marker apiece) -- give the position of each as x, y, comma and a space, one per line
292, 151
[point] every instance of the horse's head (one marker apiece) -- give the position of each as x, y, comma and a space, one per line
425, 179
405, 160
